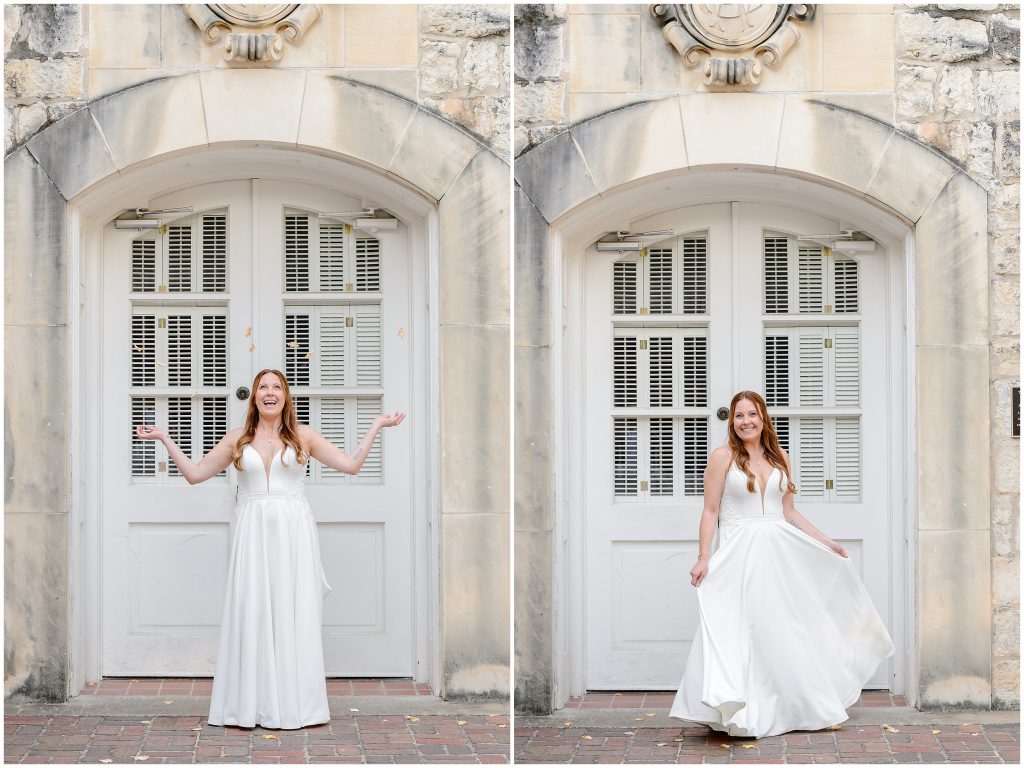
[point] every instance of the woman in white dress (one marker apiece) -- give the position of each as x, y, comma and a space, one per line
270, 662
788, 634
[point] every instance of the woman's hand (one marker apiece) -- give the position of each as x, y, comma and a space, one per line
835, 547
699, 571
390, 419
149, 432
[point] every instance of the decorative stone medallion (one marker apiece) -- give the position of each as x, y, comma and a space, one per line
253, 32
754, 34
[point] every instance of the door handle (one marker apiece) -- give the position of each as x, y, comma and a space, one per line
722, 413
242, 393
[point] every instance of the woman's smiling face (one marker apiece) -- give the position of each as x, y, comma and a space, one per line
747, 422
270, 396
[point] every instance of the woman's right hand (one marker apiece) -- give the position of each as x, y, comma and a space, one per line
699, 571
149, 432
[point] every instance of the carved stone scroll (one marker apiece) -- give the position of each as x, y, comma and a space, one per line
253, 33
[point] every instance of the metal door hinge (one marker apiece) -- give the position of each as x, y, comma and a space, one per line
643, 485
349, 322
348, 286
161, 322
161, 467
828, 343
161, 289
829, 485
644, 311
828, 308
643, 343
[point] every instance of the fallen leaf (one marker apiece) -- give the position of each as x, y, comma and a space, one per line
308, 355
252, 347
651, 714
890, 729
293, 345
502, 725
725, 746
588, 737
137, 348
462, 722
662, 744
749, 746
639, 718
248, 332
169, 701
935, 730
140, 757
198, 728
412, 719
835, 728
352, 710
678, 738
160, 363
629, 733
269, 736
974, 734
401, 333
145, 722
567, 723
106, 760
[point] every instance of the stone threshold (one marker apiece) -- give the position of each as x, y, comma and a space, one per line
199, 706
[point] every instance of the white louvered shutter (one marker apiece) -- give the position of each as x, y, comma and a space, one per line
368, 409
625, 439
810, 368
367, 345
695, 454
845, 285
332, 256
625, 391
662, 461
333, 426
846, 470
810, 457
845, 378
694, 269
214, 259
625, 287
776, 275
296, 252
333, 338
660, 268
179, 258
144, 267
811, 280
368, 264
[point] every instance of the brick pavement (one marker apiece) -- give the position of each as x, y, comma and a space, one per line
175, 739
938, 743
203, 686
655, 699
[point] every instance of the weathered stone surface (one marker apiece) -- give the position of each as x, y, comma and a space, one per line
981, 152
539, 41
59, 111
910, 194
475, 583
955, 636
1006, 358
72, 172
967, 6
915, 91
8, 130
534, 615
35, 244
533, 275
233, 115
542, 102
555, 177
1004, 204
36, 448
1008, 153
1004, 508
1004, 539
1005, 34
639, 141
473, 21
418, 160
475, 250
30, 120
36, 606
481, 66
29, 81
12, 24
956, 90
729, 141
1006, 461
439, 67
927, 38
175, 119
1006, 254
45, 29
1006, 630
952, 274
534, 450
1006, 684
956, 379
998, 92
1005, 305
484, 116
474, 428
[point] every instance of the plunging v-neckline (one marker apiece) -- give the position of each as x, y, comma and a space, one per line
762, 489
266, 467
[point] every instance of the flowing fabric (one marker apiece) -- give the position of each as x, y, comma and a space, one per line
788, 634
270, 662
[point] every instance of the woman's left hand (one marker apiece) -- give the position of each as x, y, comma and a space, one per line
390, 419
836, 547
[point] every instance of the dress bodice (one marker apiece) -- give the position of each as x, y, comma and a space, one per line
286, 477
738, 503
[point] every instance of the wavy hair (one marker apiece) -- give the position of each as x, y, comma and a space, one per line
769, 442
289, 423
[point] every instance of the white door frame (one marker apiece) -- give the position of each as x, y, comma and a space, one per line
88, 214
571, 235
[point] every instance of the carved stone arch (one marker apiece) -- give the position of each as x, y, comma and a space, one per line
835, 147
309, 112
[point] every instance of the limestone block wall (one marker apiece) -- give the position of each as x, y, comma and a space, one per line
451, 59
957, 89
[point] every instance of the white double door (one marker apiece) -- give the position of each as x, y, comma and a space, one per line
734, 300
254, 278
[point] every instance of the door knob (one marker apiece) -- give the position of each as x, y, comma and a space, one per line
722, 413
242, 393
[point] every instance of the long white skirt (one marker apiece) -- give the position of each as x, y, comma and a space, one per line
788, 635
270, 661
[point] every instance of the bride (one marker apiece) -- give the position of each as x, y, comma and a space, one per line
788, 634
270, 662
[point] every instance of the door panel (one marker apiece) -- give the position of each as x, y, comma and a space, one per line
254, 278
733, 300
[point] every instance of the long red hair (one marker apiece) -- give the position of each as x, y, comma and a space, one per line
769, 442
289, 423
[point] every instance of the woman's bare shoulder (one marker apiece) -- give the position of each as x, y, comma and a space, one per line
720, 458
234, 434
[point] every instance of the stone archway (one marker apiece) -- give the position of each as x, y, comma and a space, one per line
836, 147
314, 113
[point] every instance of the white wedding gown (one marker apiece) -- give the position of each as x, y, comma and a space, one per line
788, 634
270, 662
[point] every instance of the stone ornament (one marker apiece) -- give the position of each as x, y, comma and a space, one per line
755, 35
253, 32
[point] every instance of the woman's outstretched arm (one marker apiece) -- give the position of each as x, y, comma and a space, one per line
714, 484
321, 449
213, 463
794, 517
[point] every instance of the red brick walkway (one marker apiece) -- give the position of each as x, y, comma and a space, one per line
355, 739
203, 686
849, 744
